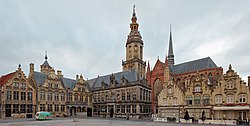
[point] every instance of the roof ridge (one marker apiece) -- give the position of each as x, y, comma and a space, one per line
193, 61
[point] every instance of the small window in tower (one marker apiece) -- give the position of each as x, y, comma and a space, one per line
135, 47
129, 48
134, 27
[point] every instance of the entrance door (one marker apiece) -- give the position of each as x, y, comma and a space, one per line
111, 111
8, 110
89, 112
242, 115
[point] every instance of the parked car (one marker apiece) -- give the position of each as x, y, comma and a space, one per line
43, 116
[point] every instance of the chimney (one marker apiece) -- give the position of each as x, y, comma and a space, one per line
31, 68
59, 73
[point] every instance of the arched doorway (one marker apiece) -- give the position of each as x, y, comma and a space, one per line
111, 111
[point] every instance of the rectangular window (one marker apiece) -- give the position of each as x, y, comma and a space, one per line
42, 96
242, 98
42, 107
206, 100
16, 95
62, 97
128, 108
62, 108
197, 100
30, 96
23, 108
128, 96
123, 108
23, 86
49, 96
8, 95
134, 97
56, 97
56, 86
23, 95
123, 95
49, 107
141, 109
50, 85
29, 110
56, 108
81, 98
189, 100
16, 85
218, 99
140, 94
15, 108
230, 99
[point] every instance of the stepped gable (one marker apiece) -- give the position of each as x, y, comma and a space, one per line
200, 64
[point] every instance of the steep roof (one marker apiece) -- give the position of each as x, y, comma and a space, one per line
5, 78
200, 64
69, 83
45, 63
41, 77
130, 75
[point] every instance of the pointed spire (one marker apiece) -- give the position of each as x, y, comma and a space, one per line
166, 61
148, 69
46, 57
134, 25
134, 14
170, 49
230, 67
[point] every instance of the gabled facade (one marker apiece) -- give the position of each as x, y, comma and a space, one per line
57, 94
18, 96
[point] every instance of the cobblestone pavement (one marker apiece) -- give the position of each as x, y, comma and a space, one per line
89, 122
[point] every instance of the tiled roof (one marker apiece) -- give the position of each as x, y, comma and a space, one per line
5, 78
130, 75
200, 64
45, 63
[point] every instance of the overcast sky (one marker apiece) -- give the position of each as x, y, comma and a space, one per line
88, 37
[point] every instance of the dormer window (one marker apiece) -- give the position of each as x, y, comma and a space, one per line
230, 85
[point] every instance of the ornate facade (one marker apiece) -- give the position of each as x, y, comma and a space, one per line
18, 96
124, 93
59, 95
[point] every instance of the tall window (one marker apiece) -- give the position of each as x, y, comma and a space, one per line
230, 99
42, 107
29, 109
230, 85
15, 108
197, 100
134, 96
218, 99
62, 108
56, 108
123, 95
50, 107
128, 108
157, 88
123, 108
16, 95
56, 86
23, 95
16, 85
128, 96
8, 95
81, 98
49, 96
23, 108
42, 95
197, 88
242, 98
70, 96
118, 109
50, 85
206, 99
189, 100
56, 97
140, 93
62, 97
29, 95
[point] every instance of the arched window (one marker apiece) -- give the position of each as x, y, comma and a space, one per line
206, 99
230, 99
175, 101
230, 85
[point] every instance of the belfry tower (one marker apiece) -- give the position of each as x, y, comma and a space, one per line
134, 49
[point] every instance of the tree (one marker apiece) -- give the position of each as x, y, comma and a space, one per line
186, 116
203, 117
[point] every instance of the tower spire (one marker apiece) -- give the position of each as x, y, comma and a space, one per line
46, 57
134, 25
170, 49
